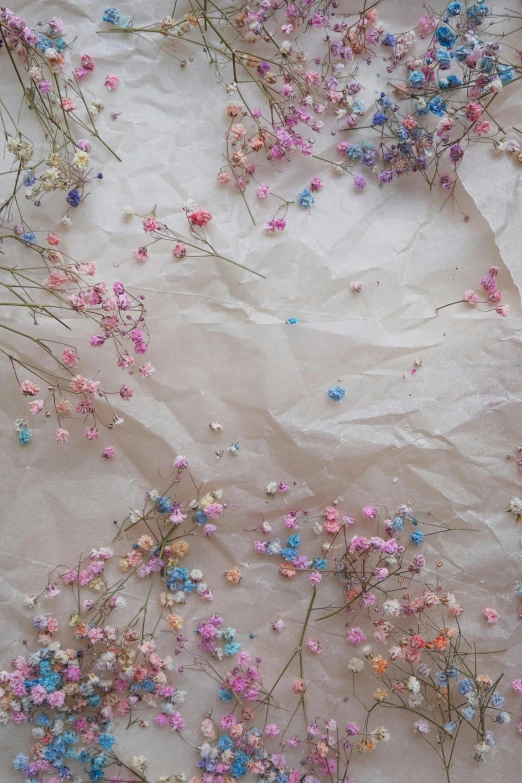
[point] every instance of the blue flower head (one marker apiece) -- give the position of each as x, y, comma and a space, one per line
28, 237
289, 553
445, 36
305, 198
59, 44
164, 505
231, 648
461, 53
465, 686
454, 81
416, 79
21, 761
226, 695
319, 564
336, 393
107, 740
506, 74
441, 679
293, 320
450, 726
451, 673
389, 40
293, 540
397, 524
454, 9
417, 537
468, 713
200, 517
496, 699
354, 152
25, 437
379, 118
111, 15
73, 198
443, 58
225, 743
29, 179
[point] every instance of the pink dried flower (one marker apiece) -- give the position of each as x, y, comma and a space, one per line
200, 217
80, 73
180, 462
61, 435
91, 433
179, 250
517, 686
35, 406
356, 636
278, 626
223, 177
53, 239
111, 81
315, 578
147, 370
314, 646
470, 297
68, 104
316, 184
283, 487
109, 452
272, 730
87, 62
150, 224
502, 310
491, 615
141, 253
275, 225
356, 287
263, 191
370, 512
474, 111
126, 392
29, 389
481, 128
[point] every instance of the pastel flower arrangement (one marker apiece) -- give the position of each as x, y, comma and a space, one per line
445, 73
120, 666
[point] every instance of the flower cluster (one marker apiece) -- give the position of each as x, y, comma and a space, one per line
282, 101
486, 288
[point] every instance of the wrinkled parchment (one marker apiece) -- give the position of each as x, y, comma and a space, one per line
222, 351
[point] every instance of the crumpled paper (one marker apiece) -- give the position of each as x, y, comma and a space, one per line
437, 438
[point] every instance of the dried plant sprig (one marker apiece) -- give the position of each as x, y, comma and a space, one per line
50, 286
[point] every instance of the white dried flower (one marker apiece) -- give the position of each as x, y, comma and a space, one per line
215, 427
516, 506
355, 665
272, 488
128, 213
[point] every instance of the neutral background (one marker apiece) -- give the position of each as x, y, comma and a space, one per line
438, 438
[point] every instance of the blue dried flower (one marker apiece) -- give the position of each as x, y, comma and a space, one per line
379, 118
29, 179
389, 40
496, 699
25, 437
106, 740
336, 393
111, 15
443, 58
319, 564
416, 79
437, 106
454, 9
200, 517
417, 537
73, 198
450, 726
441, 678
28, 237
305, 198
465, 686
293, 320
468, 713
354, 152
445, 36
293, 540
20, 761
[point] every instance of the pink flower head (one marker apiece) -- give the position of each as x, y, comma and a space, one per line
471, 297
200, 217
314, 646
150, 224
180, 462
68, 104
29, 389
370, 512
53, 239
109, 452
35, 406
80, 73
214, 510
278, 625
111, 81
517, 686
474, 111
276, 225
316, 184
263, 191
272, 730
147, 370
87, 62
179, 250
315, 578
126, 392
61, 435
491, 615
356, 636
223, 177
481, 128
91, 433
502, 310
141, 253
